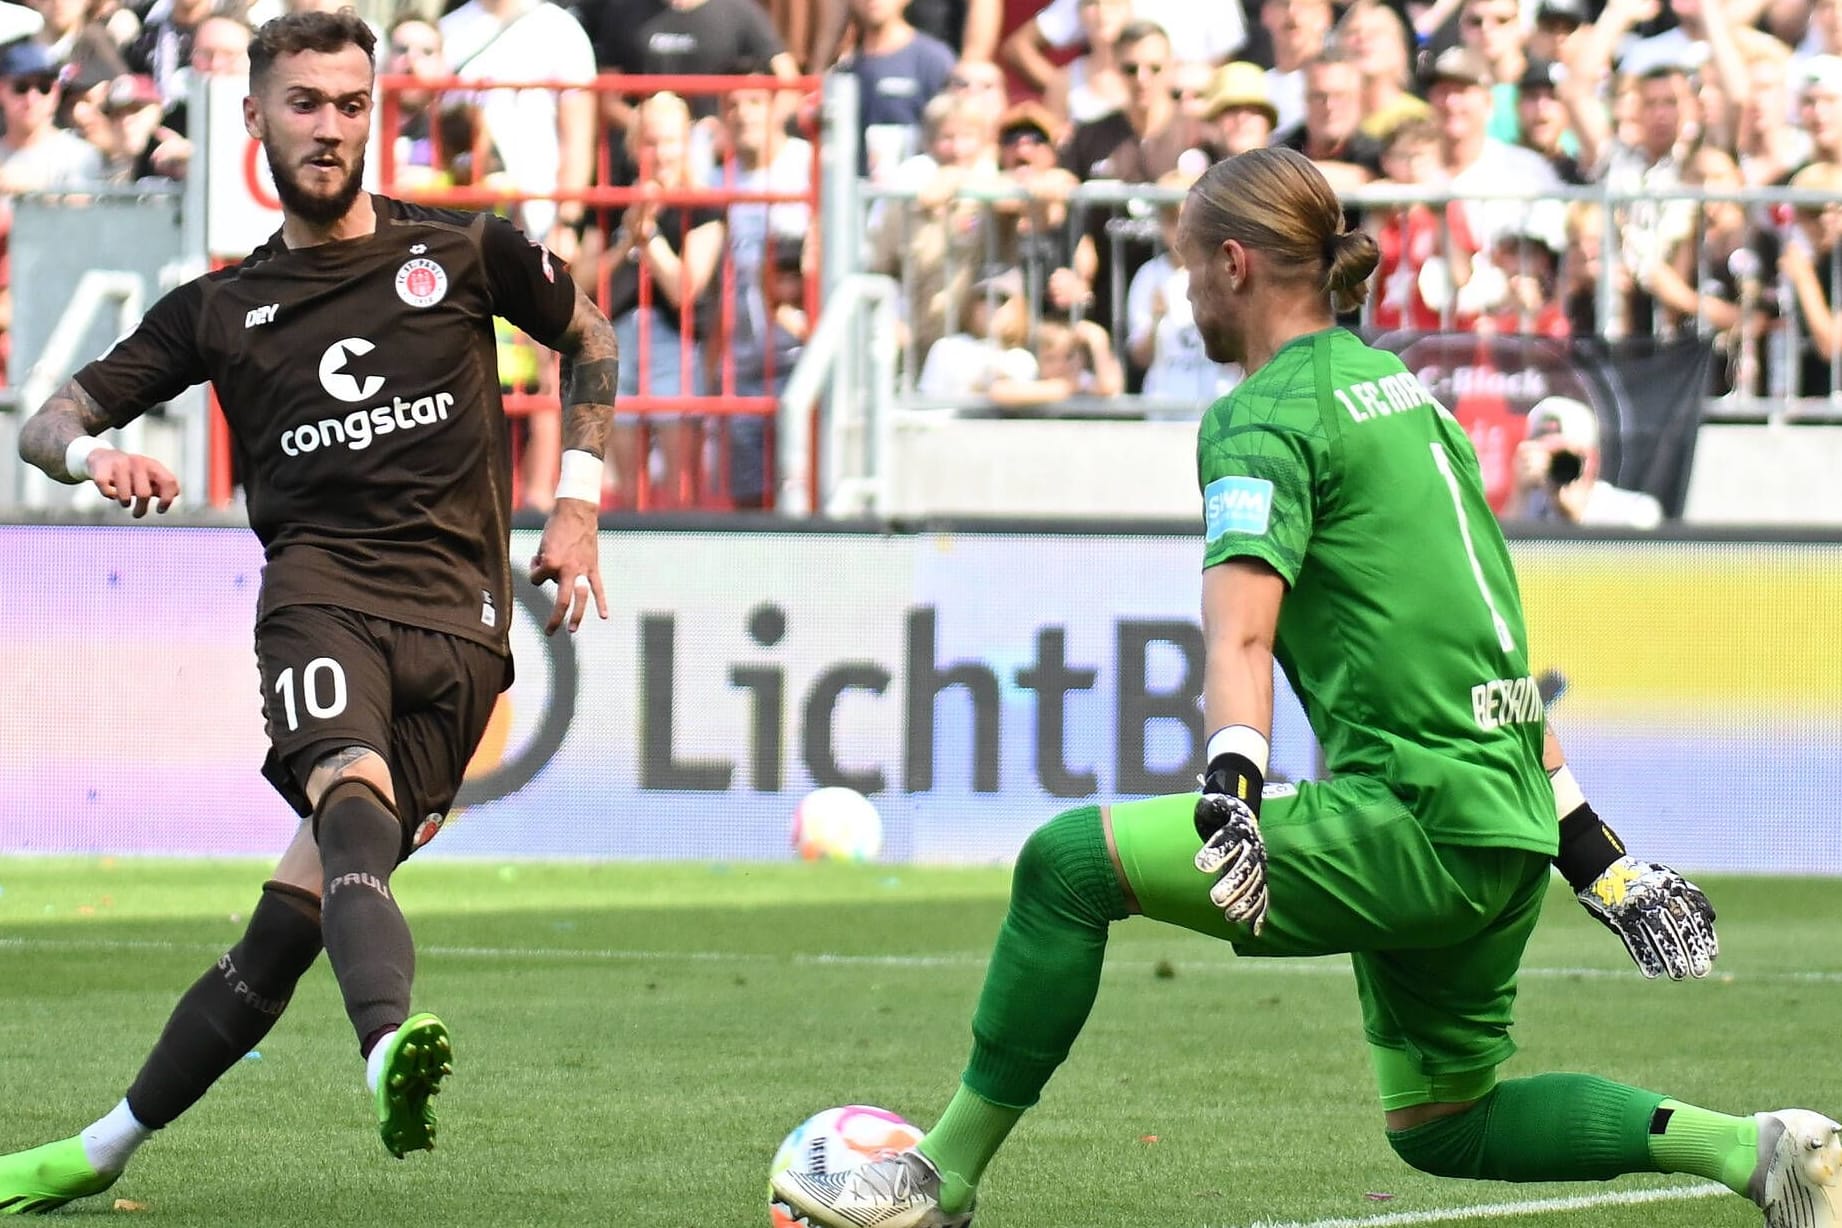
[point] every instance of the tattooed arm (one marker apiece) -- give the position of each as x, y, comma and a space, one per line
591, 372
71, 414
570, 550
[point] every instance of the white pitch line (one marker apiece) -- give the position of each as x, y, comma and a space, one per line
1328, 966
1508, 1210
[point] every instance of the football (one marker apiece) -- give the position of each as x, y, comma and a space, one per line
838, 1140
837, 824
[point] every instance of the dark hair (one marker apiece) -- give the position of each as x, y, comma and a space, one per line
1275, 201
309, 31
1138, 31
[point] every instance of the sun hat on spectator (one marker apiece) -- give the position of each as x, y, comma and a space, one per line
1462, 65
1239, 84
24, 58
1026, 116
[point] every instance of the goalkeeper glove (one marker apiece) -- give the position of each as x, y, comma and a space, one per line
1227, 819
1664, 920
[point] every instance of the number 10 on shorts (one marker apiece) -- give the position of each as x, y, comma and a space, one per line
322, 691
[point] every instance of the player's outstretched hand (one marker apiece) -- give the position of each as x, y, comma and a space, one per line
1665, 921
133, 480
570, 554
1235, 855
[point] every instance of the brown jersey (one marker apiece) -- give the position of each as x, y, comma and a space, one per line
360, 382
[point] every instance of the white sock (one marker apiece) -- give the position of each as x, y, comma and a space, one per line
374, 1064
112, 1138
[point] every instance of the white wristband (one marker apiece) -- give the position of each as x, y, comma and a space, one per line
581, 477
1242, 740
1568, 796
77, 457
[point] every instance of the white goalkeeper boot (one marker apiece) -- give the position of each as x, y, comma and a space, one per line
902, 1191
1799, 1179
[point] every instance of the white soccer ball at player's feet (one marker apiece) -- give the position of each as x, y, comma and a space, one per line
837, 824
837, 1141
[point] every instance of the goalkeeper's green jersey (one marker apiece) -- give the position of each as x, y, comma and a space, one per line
1402, 632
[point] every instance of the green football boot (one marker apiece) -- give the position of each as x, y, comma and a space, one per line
49, 1176
419, 1057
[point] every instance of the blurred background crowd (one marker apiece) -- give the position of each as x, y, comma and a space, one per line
1021, 161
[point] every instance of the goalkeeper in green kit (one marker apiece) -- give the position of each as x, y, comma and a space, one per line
1347, 535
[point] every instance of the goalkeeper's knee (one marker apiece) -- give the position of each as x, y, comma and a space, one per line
1064, 867
1451, 1146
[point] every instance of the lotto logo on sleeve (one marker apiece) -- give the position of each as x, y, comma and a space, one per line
1237, 505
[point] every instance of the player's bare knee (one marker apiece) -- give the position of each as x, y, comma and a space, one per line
350, 764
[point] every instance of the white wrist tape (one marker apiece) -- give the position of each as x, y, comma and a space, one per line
581, 477
1242, 740
1568, 796
77, 456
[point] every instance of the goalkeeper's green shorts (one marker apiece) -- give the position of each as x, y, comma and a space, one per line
1435, 932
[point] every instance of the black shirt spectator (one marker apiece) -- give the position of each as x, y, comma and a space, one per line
710, 36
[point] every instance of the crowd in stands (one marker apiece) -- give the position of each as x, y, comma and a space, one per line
981, 120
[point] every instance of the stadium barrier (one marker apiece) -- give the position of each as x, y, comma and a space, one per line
915, 668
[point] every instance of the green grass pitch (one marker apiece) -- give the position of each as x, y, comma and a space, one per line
634, 1039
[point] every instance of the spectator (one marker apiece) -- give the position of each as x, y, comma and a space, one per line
962, 366
1820, 110
1557, 473
1149, 138
1557, 26
163, 48
1209, 31
1543, 120
761, 158
1651, 168
1091, 85
1521, 286
1459, 85
898, 70
1036, 229
1768, 146
441, 142
1239, 110
220, 48
936, 245
35, 154
1299, 30
1582, 267
1372, 34
1161, 334
1427, 251
702, 37
1713, 276
75, 40
1492, 31
654, 279
546, 137
1330, 134
1822, 33
1189, 86
136, 131
969, 27
1809, 261
981, 82
1072, 360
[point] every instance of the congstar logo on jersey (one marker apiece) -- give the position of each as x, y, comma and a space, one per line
356, 430
1237, 505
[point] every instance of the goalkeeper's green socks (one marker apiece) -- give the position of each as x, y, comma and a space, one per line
962, 1143
1039, 988
1685, 1139
1573, 1127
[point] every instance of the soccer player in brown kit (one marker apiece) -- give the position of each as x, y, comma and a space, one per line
353, 357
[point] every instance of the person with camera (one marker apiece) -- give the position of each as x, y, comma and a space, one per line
1557, 473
